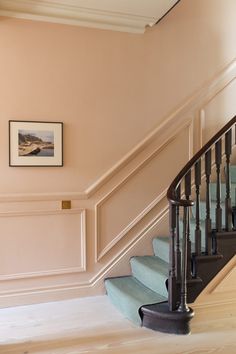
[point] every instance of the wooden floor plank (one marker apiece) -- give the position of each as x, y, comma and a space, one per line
93, 325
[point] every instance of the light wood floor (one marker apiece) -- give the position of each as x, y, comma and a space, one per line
93, 325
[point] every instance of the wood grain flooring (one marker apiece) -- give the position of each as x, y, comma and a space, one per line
93, 325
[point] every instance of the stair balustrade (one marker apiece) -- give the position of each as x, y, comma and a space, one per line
181, 269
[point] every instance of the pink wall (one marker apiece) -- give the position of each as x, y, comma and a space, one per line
110, 89
89, 79
186, 50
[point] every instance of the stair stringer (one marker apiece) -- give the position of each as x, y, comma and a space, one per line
221, 289
207, 267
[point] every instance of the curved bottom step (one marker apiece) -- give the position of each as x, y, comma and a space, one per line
128, 295
159, 318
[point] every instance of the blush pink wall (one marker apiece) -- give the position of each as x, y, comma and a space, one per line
110, 89
186, 50
86, 78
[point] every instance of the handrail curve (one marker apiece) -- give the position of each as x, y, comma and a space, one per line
171, 192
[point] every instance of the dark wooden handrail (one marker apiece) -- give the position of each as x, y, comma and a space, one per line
171, 193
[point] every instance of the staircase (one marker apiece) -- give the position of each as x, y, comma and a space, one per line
202, 240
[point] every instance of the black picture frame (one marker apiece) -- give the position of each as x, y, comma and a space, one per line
35, 143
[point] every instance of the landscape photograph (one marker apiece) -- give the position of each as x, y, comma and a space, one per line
35, 143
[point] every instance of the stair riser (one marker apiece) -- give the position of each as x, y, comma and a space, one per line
212, 212
161, 248
223, 191
149, 277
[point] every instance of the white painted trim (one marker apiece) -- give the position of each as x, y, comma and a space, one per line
49, 11
202, 123
31, 197
41, 212
40, 274
213, 96
190, 127
140, 235
59, 271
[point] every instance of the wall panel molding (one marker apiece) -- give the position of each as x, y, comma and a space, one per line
31, 197
217, 110
99, 276
81, 233
129, 245
216, 93
101, 253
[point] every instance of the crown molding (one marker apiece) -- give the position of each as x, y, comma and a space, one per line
65, 13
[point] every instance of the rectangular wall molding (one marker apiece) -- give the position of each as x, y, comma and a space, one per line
31, 219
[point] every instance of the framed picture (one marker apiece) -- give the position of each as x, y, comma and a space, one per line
35, 143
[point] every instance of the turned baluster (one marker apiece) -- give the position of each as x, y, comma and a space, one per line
197, 215
218, 161
183, 307
172, 294
178, 252
188, 241
228, 207
208, 230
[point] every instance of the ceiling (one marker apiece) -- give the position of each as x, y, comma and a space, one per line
118, 15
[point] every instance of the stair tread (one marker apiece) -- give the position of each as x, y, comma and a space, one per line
165, 239
128, 295
162, 238
131, 286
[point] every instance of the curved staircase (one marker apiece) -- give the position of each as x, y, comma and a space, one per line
202, 240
